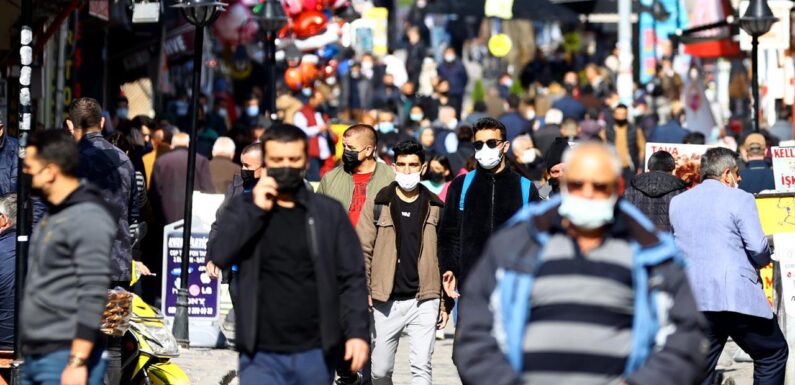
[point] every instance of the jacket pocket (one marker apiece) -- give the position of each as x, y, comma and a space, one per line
751, 275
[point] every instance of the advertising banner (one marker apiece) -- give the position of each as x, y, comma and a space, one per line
784, 168
202, 291
687, 156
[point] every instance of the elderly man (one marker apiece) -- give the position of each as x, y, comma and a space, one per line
716, 225
8, 239
567, 292
222, 168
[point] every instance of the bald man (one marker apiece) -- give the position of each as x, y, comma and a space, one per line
360, 174
609, 301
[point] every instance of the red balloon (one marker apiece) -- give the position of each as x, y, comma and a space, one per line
308, 24
330, 69
309, 73
293, 78
311, 5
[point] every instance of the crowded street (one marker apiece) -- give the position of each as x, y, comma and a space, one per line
397, 192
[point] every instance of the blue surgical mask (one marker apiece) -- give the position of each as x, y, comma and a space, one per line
386, 127
122, 112
307, 92
252, 111
417, 117
587, 214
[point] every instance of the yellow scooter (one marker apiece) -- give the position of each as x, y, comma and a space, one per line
147, 349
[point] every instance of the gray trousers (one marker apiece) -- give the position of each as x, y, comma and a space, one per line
419, 321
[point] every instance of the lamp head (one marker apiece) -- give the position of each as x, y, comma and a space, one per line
271, 15
758, 18
201, 13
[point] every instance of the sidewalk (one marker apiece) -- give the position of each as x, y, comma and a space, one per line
211, 366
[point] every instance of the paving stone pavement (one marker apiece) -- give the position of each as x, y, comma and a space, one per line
210, 366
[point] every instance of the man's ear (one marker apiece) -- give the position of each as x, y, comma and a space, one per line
70, 126
102, 123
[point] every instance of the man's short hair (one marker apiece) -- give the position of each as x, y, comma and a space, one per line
142, 120
694, 138
363, 129
56, 147
85, 113
254, 147
8, 208
662, 161
717, 160
285, 133
621, 106
224, 146
489, 124
409, 147
513, 101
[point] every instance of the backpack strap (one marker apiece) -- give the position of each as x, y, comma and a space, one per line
527, 187
468, 178
377, 214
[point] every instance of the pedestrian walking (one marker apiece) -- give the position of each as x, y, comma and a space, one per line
717, 227
243, 183
302, 262
757, 175
628, 140
69, 269
222, 166
569, 292
8, 247
479, 202
360, 173
652, 191
398, 235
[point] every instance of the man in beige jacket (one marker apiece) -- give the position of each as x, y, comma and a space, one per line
397, 229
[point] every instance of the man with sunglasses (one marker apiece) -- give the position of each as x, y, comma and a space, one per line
479, 203
580, 289
716, 225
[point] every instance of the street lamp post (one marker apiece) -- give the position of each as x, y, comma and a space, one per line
271, 19
200, 13
756, 21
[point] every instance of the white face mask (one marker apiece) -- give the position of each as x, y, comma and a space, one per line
587, 214
452, 124
528, 156
252, 110
407, 182
449, 58
489, 158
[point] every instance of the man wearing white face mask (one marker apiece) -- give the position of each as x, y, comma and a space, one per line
581, 289
716, 225
397, 229
479, 203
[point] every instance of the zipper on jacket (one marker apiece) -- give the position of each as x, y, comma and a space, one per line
493, 184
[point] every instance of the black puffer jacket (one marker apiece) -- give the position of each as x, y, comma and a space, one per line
652, 192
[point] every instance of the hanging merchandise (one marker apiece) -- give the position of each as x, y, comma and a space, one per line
293, 78
308, 24
502, 9
698, 112
236, 26
293, 7
309, 73
241, 66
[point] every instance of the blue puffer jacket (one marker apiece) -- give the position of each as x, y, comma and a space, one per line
668, 341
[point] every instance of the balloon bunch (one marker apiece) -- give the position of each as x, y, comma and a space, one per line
315, 31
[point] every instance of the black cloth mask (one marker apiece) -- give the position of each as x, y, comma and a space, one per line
289, 179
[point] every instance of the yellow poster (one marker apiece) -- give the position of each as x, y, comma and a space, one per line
777, 216
338, 130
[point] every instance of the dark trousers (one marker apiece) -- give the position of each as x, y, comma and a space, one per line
305, 368
761, 338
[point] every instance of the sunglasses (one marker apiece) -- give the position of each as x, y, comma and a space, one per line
492, 143
578, 185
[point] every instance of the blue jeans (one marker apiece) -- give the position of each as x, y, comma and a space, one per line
306, 368
46, 369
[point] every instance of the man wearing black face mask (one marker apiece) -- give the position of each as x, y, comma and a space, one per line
360, 173
251, 158
301, 260
629, 141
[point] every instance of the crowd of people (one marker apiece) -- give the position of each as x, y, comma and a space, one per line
529, 214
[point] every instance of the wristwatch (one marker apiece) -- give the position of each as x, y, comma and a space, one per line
76, 362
